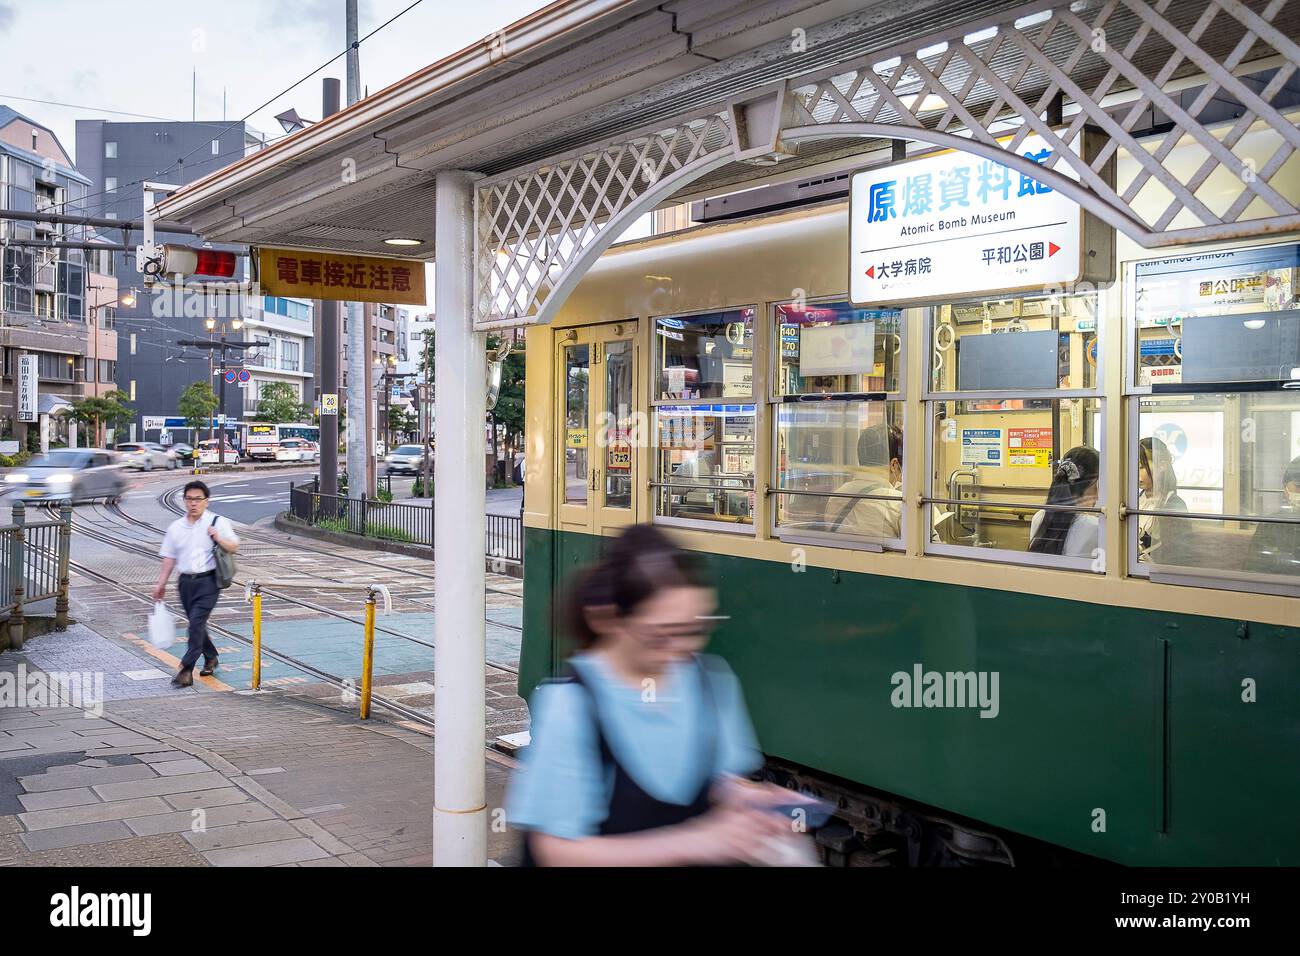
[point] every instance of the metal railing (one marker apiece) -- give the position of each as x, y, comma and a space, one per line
394, 521
34, 567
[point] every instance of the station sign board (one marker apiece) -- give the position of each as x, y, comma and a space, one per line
341, 277
954, 224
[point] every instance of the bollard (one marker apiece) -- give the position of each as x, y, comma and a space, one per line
257, 635
18, 564
65, 549
368, 654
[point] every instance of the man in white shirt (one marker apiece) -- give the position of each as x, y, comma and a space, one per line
188, 546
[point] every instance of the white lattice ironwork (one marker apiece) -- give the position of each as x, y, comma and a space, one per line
971, 87
532, 226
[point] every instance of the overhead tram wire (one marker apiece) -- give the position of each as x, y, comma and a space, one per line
263, 106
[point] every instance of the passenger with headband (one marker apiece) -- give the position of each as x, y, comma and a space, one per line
1073, 534
1275, 548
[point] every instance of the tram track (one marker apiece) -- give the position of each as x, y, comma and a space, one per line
334, 680
108, 536
168, 501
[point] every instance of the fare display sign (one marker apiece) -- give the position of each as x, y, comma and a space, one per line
340, 277
954, 224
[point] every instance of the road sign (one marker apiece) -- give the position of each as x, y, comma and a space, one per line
221, 419
244, 376
230, 376
329, 403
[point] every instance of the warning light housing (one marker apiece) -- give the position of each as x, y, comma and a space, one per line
185, 260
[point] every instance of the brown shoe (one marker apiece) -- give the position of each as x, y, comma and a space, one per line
208, 668
184, 678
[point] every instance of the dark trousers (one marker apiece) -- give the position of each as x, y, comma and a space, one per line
198, 597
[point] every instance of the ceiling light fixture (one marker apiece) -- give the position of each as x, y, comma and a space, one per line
399, 241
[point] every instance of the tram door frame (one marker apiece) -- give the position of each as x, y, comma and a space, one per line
601, 509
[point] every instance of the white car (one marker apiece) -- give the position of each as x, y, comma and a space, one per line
209, 453
297, 449
145, 455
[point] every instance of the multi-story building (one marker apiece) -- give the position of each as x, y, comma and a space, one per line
154, 369
43, 286
284, 328
414, 335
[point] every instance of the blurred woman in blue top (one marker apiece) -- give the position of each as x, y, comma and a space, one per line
637, 756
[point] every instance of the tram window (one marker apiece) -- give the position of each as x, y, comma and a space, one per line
1218, 318
577, 373
617, 424
1215, 482
706, 356
706, 462
1019, 476
833, 348
968, 353
840, 470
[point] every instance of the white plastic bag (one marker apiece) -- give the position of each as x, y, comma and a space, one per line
162, 627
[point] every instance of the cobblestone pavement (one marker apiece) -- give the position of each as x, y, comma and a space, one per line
156, 776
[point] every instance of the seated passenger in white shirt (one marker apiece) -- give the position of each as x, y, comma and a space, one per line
1070, 533
880, 451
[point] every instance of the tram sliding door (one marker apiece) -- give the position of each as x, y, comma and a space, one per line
596, 457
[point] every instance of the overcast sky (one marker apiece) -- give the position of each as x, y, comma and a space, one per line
140, 57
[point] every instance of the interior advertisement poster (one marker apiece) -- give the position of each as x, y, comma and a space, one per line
981, 446
1195, 443
1029, 447
954, 224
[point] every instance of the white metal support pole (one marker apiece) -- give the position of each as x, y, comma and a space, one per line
460, 538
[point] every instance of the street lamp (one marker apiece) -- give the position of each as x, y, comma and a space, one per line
125, 299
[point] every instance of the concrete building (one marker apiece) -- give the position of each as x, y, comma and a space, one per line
152, 367
43, 304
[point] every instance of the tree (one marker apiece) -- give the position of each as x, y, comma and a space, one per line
401, 420
110, 410
196, 404
279, 403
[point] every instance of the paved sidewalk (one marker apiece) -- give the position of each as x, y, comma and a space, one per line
166, 777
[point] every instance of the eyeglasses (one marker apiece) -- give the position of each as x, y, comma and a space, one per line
191, 498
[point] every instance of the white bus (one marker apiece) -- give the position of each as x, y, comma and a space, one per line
264, 438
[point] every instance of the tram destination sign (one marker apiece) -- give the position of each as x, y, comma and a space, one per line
955, 224
341, 277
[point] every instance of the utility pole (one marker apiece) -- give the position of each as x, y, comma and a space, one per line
359, 426
329, 349
212, 347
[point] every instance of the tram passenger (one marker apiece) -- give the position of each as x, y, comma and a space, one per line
1158, 492
1070, 533
1275, 548
880, 450
637, 756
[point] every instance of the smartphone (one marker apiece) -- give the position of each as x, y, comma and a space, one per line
815, 812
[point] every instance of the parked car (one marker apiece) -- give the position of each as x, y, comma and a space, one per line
146, 455
69, 474
405, 460
297, 449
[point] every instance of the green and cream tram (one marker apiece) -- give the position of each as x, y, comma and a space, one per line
865, 485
